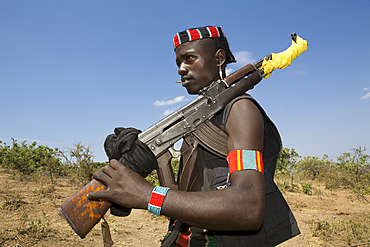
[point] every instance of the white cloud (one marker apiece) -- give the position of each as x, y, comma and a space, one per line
366, 89
228, 71
366, 96
170, 102
244, 57
168, 111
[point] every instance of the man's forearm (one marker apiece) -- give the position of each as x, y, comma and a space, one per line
238, 207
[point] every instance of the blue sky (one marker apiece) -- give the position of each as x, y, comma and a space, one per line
72, 71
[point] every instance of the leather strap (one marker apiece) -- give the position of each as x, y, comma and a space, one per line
175, 232
185, 183
185, 178
215, 141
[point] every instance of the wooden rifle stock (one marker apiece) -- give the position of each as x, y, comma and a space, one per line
245, 71
240, 88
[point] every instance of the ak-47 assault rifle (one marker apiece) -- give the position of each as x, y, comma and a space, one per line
189, 122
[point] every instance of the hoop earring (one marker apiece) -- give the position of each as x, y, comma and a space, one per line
220, 72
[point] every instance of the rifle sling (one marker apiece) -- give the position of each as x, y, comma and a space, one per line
187, 176
215, 141
175, 232
186, 180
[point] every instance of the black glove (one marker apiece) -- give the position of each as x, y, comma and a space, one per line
125, 147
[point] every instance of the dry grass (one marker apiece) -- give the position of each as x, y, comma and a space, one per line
29, 216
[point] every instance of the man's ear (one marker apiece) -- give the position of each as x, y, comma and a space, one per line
221, 57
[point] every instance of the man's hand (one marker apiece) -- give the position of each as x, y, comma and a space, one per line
124, 186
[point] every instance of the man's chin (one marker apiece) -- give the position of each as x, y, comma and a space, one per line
191, 91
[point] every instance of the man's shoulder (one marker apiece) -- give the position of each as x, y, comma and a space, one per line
244, 108
244, 101
240, 104
244, 126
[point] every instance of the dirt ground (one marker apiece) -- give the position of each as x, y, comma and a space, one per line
29, 216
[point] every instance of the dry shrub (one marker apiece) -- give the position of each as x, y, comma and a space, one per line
351, 232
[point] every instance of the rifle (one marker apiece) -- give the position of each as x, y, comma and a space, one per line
188, 123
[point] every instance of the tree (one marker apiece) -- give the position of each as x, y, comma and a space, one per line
287, 162
355, 170
80, 161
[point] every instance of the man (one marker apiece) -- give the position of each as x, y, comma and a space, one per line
238, 205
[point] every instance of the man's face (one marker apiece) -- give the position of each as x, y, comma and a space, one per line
198, 64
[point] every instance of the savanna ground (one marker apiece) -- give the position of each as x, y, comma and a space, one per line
29, 216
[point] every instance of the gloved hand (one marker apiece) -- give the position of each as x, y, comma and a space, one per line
125, 147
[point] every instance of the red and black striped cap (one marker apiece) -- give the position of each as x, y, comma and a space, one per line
197, 33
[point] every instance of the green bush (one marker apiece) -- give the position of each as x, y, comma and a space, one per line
350, 171
175, 161
307, 188
311, 166
29, 159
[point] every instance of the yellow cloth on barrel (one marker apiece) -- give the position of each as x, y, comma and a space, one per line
283, 59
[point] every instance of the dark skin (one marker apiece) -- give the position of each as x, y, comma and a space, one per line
238, 207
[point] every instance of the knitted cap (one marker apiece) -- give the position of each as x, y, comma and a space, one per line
197, 33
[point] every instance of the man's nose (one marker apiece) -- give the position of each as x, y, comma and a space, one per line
183, 70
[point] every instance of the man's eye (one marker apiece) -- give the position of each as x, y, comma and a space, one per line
190, 57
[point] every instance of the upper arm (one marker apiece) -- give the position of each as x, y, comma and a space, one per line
245, 129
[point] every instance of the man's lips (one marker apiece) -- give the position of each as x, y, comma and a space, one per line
185, 81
